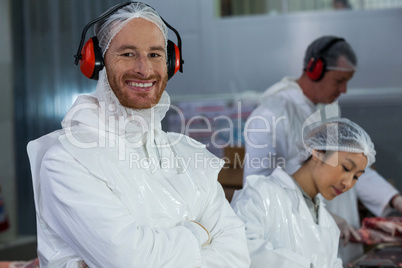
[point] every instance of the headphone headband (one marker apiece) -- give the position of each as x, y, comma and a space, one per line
78, 55
331, 43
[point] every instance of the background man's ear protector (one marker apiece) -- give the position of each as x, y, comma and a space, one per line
90, 55
317, 66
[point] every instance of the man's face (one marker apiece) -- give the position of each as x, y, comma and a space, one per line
136, 64
333, 84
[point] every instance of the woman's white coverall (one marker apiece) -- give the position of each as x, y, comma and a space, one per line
280, 229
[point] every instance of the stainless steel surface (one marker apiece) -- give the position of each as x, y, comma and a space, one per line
387, 255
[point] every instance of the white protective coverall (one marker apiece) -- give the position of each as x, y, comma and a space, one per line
285, 109
280, 229
115, 192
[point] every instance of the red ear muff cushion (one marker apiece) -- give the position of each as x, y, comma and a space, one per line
316, 69
87, 62
173, 59
91, 62
177, 58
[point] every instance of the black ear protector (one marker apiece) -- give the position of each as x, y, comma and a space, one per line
90, 55
317, 66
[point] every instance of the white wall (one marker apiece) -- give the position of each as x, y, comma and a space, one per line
7, 163
252, 52
225, 57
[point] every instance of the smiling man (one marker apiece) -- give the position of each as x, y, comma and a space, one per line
109, 191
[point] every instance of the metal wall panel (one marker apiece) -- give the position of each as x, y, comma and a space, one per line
46, 35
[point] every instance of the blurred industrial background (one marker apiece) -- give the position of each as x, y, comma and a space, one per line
233, 50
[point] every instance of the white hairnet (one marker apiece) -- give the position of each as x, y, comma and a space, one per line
332, 54
338, 135
107, 29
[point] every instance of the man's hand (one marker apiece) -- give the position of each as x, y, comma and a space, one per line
346, 230
397, 203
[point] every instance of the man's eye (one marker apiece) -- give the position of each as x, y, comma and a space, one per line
154, 55
127, 54
345, 168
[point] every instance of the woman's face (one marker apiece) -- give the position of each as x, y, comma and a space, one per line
337, 172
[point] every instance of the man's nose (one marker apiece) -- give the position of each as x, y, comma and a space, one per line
142, 66
343, 88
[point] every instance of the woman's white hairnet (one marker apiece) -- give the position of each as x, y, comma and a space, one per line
338, 135
332, 55
106, 29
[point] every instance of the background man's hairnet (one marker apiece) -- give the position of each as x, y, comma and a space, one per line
331, 55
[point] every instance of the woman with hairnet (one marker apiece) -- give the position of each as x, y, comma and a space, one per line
286, 225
